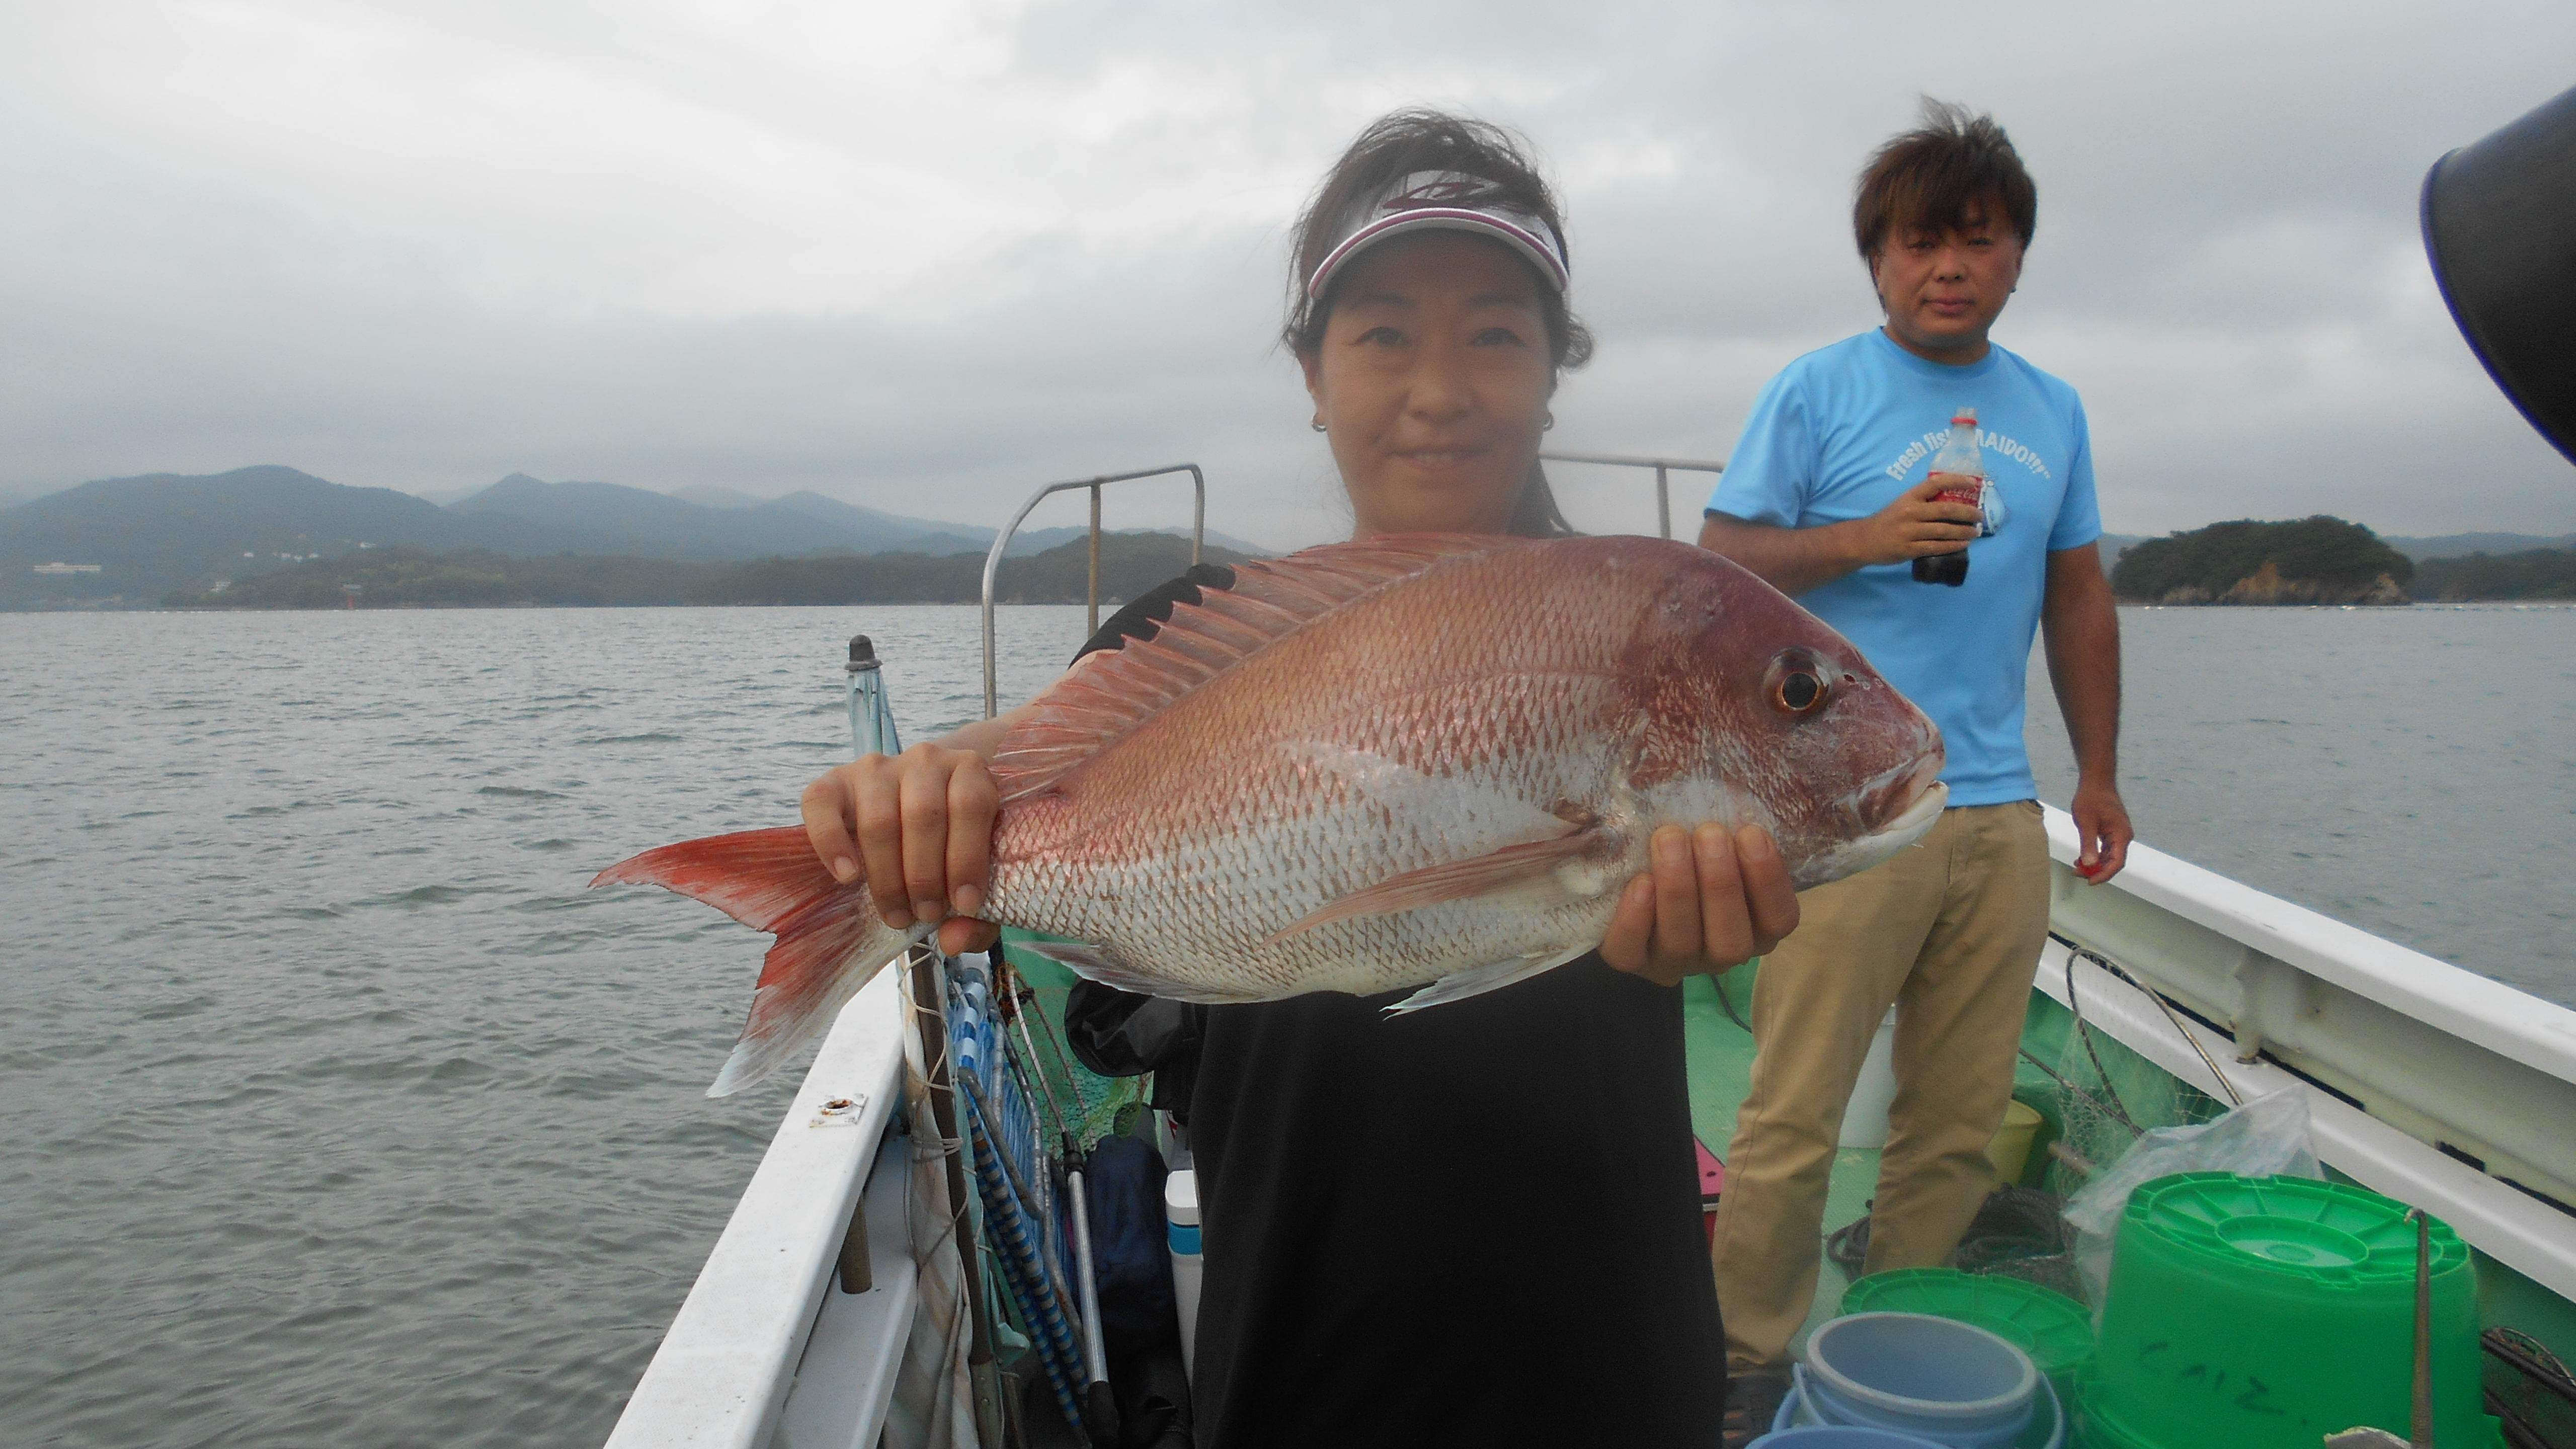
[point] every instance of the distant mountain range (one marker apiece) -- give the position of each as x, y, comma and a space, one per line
2461, 545
410, 578
2449, 545
163, 532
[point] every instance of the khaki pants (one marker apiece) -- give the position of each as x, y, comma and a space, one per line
1949, 932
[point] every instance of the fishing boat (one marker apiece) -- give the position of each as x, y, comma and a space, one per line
834, 1310
906, 1267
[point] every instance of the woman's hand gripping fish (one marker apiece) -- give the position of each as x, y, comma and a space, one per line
1423, 761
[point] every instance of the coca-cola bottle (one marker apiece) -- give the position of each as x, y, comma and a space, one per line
1961, 469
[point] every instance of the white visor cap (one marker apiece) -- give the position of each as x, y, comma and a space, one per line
1449, 201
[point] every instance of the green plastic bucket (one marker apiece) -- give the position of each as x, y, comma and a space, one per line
2092, 1431
2052, 1328
2262, 1312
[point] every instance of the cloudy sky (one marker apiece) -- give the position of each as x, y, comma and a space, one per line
926, 256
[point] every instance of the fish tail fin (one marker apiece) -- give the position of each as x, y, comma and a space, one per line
830, 940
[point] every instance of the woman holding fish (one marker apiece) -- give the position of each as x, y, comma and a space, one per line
1465, 751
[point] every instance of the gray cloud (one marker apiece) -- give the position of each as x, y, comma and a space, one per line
925, 262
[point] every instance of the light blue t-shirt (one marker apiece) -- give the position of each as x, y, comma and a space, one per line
1845, 429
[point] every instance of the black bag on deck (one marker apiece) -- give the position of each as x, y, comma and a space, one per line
1120, 1034
1130, 1253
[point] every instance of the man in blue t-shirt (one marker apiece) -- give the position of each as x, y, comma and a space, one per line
1826, 496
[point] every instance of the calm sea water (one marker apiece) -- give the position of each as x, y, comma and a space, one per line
339, 1112
2411, 771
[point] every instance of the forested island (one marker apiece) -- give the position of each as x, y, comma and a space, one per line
2317, 560
397, 578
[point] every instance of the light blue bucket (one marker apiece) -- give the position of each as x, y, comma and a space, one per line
2046, 1431
1837, 1436
1945, 1382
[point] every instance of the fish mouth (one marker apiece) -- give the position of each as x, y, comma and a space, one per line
1854, 856
1910, 823
1895, 795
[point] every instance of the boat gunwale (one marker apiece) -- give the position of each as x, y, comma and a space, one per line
2502, 1018
721, 1375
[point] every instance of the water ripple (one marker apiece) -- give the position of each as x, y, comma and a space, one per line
341, 1111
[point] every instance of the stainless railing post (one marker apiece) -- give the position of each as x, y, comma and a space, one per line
1662, 467
1002, 540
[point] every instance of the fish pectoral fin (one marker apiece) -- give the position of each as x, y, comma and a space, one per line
1477, 980
1455, 880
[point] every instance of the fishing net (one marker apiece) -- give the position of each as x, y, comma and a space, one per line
2017, 1233
1092, 1105
2100, 1097
2107, 1096
1073, 1097
2529, 1390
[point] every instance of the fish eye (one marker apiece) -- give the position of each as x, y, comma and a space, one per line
1798, 685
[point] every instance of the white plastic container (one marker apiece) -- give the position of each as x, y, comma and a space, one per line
1181, 1219
1865, 1116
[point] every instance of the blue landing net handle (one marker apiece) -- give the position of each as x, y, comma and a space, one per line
871, 713
1024, 1269
1002, 540
1662, 467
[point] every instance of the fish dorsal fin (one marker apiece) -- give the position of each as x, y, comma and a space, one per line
1111, 692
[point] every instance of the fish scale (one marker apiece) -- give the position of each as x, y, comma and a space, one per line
1425, 762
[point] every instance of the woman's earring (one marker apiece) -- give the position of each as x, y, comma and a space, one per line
1546, 421
1317, 425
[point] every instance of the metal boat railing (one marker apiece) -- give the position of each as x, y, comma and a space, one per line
1663, 468
1002, 540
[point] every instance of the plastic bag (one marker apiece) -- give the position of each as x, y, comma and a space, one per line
2267, 1137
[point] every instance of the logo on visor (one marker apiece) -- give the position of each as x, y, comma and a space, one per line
1448, 191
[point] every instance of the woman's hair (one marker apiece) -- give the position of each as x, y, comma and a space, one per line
1399, 144
1931, 175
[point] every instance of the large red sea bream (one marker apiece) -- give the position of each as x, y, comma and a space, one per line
1424, 761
